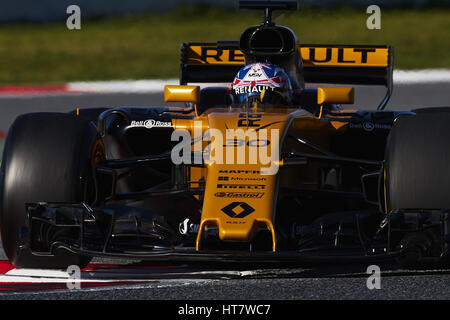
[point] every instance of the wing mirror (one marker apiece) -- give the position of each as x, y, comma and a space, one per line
337, 95
174, 93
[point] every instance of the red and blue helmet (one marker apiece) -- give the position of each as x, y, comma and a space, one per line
255, 77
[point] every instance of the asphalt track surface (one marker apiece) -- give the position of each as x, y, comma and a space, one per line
236, 282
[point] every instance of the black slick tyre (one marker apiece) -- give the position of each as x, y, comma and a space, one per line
47, 158
417, 176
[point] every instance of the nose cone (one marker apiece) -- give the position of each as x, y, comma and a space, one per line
241, 190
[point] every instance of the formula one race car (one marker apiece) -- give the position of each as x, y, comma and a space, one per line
302, 180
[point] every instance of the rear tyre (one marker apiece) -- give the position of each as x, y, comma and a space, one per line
417, 174
47, 158
417, 162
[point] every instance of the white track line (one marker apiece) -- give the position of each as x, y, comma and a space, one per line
130, 86
422, 76
49, 276
119, 275
401, 77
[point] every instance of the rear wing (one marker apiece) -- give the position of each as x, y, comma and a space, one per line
334, 64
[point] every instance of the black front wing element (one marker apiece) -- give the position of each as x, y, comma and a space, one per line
129, 232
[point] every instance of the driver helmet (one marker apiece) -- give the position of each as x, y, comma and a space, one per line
252, 79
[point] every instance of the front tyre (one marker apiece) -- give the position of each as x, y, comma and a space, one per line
47, 158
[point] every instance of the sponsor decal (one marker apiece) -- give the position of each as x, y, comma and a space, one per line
247, 195
248, 179
241, 179
216, 55
331, 55
252, 120
238, 210
187, 228
240, 171
151, 123
374, 57
241, 186
362, 58
249, 120
255, 72
248, 89
369, 126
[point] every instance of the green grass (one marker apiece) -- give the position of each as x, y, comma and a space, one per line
148, 46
